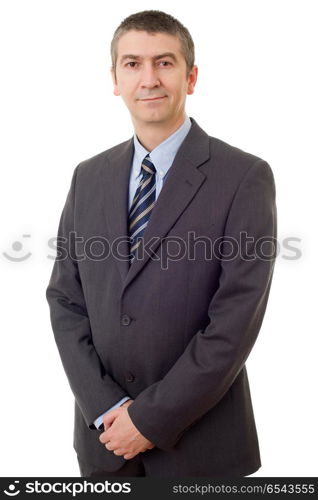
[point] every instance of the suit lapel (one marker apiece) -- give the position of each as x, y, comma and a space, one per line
182, 183
115, 183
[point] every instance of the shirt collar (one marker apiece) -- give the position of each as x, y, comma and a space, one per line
163, 155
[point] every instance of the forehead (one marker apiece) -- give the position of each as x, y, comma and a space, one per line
146, 44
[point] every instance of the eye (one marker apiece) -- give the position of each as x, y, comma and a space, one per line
165, 63
131, 62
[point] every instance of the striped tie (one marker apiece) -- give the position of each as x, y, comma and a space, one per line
142, 204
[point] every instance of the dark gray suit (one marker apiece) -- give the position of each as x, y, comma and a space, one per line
172, 334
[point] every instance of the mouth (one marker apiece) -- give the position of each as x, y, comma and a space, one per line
153, 99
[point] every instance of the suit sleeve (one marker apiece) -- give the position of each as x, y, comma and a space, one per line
215, 356
93, 389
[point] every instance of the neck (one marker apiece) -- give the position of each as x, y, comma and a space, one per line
150, 135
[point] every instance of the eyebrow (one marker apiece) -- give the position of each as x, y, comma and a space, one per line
159, 56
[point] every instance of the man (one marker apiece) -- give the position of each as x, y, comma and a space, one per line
158, 291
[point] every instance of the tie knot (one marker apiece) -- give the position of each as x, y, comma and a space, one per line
147, 166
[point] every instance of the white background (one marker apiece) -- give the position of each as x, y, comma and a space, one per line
257, 90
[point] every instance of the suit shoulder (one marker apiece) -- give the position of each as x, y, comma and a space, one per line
235, 163
101, 160
227, 152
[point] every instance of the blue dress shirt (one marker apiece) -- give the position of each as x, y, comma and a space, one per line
162, 157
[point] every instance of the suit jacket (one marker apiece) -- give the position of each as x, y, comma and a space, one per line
173, 333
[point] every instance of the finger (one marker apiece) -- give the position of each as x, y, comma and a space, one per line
145, 449
101, 437
104, 437
110, 417
109, 422
119, 452
108, 425
110, 446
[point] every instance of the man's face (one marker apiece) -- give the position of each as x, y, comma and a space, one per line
151, 76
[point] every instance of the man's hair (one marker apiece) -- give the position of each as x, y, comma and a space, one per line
155, 21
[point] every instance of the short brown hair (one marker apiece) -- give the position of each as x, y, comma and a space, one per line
155, 21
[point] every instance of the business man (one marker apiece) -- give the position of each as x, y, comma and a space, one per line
166, 248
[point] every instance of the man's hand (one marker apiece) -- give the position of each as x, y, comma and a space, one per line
121, 436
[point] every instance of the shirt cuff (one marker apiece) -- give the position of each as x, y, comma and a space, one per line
99, 420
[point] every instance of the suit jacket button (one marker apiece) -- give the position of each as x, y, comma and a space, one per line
125, 320
130, 377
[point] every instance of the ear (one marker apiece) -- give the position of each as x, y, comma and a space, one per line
116, 89
192, 79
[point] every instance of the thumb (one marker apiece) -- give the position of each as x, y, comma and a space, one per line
109, 418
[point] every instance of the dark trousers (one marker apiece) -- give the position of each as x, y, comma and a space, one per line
133, 467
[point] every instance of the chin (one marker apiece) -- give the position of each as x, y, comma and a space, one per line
155, 117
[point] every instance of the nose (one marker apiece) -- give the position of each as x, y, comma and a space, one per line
149, 77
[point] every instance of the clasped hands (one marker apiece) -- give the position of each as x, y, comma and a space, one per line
120, 435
